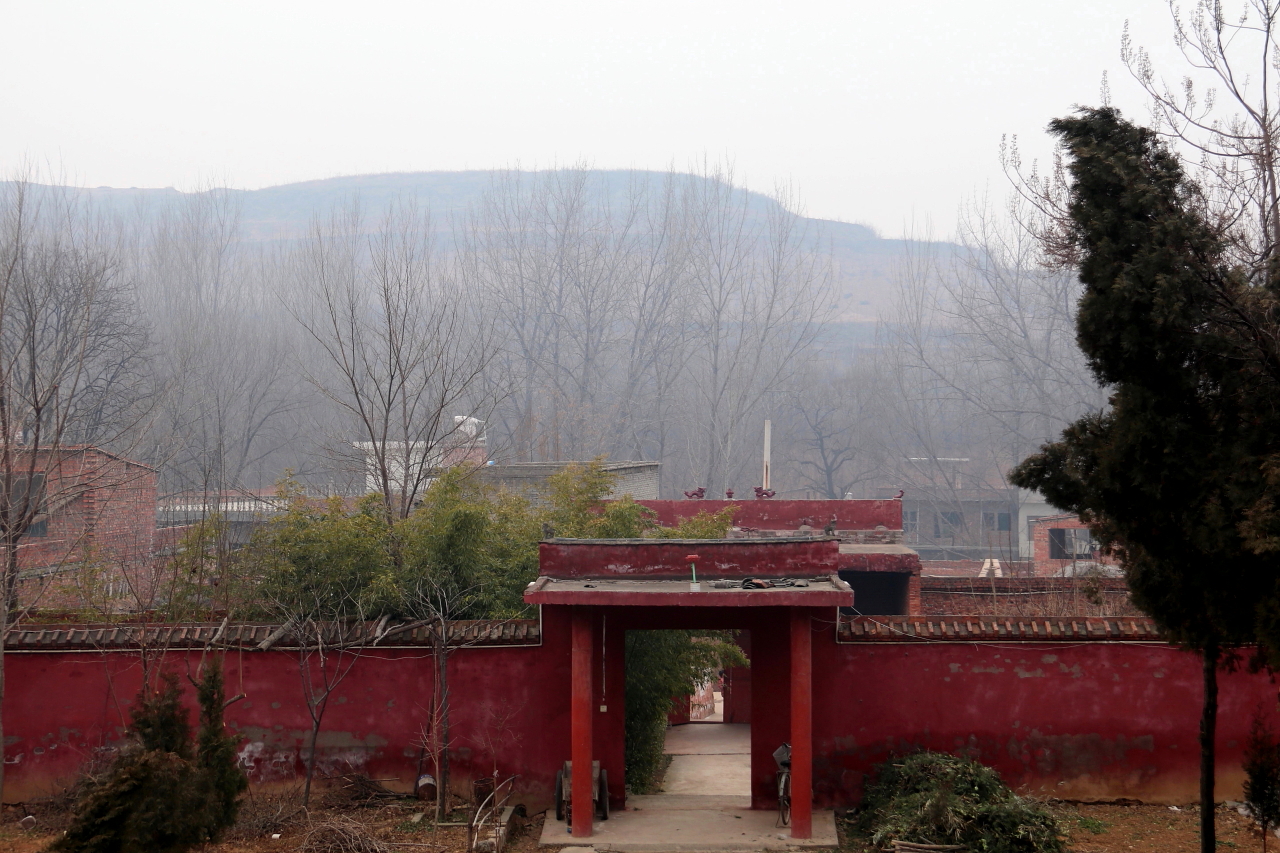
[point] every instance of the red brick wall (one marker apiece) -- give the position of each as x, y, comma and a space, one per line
915, 595
1026, 597
100, 531
1042, 564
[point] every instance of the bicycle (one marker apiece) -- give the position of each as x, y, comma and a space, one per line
782, 755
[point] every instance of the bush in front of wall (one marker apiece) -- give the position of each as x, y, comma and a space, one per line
935, 798
162, 793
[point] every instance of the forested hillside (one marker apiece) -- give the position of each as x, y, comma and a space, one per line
577, 313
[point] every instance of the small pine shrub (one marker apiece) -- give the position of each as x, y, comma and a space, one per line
1262, 775
160, 794
219, 767
934, 798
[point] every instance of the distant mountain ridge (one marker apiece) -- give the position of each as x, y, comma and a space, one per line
864, 261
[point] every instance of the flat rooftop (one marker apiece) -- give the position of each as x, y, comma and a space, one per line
820, 591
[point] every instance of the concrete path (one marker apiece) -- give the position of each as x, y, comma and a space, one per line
709, 759
705, 804
708, 739
657, 829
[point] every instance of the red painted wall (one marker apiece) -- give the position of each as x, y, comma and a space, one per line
511, 702
1072, 719
787, 514
720, 558
737, 686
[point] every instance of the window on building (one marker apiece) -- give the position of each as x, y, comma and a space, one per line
1067, 543
37, 529
947, 524
910, 522
996, 522
22, 487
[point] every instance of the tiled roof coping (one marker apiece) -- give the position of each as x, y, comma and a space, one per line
248, 636
899, 629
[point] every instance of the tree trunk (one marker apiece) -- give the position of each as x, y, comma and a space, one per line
311, 760
442, 664
4, 626
1208, 729
7, 608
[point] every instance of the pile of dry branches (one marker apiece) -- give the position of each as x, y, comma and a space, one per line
341, 834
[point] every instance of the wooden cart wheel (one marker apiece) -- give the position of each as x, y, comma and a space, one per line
602, 794
559, 794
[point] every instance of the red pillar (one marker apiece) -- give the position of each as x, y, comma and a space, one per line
580, 722
801, 725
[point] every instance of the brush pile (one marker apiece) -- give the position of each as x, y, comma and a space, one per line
341, 834
938, 799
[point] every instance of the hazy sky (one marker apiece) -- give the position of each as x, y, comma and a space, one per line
878, 112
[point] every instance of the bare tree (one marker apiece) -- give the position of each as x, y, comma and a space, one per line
759, 292
574, 270
233, 395
980, 360
834, 429
436, 600
1223, 114
398, 347
72, 364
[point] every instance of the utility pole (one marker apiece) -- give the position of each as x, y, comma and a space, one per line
768, 439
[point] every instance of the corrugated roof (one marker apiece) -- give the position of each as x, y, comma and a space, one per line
967, 629
249, 636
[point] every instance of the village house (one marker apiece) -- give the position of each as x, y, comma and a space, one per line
94, 539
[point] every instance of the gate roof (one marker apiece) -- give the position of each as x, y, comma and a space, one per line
657, 572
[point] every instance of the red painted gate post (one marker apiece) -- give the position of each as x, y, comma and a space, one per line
801, 725
580, 723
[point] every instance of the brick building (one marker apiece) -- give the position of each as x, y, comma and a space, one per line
95, 535
1062, 546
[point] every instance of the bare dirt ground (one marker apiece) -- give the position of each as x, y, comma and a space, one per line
1091, 828
1137, 828
1117, 828
391, 823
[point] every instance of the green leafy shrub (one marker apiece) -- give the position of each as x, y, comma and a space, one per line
934, 798
161, 794
663, 665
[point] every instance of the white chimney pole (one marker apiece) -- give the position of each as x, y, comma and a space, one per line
768, 440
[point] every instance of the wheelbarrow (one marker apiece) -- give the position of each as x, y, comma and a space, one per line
564, 792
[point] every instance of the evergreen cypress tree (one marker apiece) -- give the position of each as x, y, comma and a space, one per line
1166, 474
160, 794
144, 802
1262, 775
222, 778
